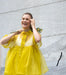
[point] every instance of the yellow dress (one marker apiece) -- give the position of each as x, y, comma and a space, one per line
24, 56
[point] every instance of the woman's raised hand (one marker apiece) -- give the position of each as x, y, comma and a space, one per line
32, 23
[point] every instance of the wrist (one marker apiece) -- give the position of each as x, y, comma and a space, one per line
14, 34
34, 28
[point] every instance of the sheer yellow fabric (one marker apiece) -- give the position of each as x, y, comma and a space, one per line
39, 44
11, 42
24, 57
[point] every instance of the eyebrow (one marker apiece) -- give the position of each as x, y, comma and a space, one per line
26, 18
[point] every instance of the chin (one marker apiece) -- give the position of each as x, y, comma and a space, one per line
24, 26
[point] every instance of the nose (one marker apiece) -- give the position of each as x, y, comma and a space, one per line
23, 20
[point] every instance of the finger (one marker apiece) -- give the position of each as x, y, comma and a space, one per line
31, 19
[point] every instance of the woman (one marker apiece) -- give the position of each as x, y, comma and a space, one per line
24, 56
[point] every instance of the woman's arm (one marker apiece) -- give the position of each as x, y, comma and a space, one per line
35, 32
36, 35
7, 38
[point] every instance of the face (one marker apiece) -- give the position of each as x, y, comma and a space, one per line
26, 21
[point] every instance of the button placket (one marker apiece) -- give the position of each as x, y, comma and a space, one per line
22, 44
24, 36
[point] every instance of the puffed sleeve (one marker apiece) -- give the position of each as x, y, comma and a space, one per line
10, 43
39, 44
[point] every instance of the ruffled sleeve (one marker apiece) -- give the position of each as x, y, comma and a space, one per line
10, 43
39, 44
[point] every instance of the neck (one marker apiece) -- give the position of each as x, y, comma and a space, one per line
24, 29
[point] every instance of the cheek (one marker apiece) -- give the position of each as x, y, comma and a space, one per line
29, 22
21, 21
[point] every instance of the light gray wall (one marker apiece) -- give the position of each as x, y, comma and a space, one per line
50, 15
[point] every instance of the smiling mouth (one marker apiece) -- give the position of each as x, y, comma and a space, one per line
24, 23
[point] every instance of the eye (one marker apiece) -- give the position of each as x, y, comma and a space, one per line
22, 18
27, 19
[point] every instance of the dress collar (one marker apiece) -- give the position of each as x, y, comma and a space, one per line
26, 32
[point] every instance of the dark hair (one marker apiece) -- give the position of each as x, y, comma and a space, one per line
31, 18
